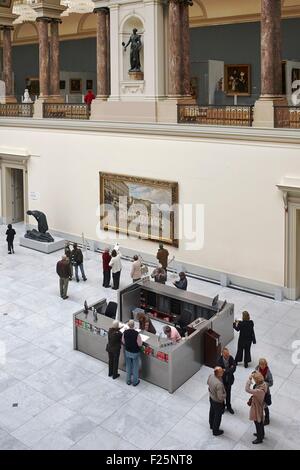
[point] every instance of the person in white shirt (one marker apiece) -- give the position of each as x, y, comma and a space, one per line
116, 266
136, 272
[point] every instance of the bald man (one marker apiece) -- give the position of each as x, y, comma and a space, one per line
217, 396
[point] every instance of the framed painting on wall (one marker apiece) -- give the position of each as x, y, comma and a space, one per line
5, 3
75, 85
238, 79
139, 207
89, 84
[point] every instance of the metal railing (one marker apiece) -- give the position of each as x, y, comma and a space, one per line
224, 115
16, 110
66, 111
287, 117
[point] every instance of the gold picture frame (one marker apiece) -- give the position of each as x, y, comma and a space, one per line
5, 3
121, 195
75, 85
237, 79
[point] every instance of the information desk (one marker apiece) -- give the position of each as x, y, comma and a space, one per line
170, 305
167, 366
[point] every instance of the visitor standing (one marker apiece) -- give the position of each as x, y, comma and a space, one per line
106, 267
132, 342
10, 235
246, 338
63, 271
77, 260
116, 266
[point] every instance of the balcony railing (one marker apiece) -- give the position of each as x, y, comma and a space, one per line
66, 111
16, 110
287, 117
215, 115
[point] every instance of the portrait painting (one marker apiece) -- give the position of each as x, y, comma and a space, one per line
75, 85
5, 3
139, 207
238, 80
89, 84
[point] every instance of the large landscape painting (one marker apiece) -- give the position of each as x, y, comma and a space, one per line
138, 206
5, 3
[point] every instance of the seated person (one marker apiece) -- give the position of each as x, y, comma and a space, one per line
182, 283
145, 323
172, 333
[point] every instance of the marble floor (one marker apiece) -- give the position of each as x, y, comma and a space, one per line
52, 397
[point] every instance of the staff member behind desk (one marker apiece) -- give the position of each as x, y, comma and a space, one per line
172, 333
246, 338
113, 348
227, 363
132, 342
145, 323
217, 395
182, 283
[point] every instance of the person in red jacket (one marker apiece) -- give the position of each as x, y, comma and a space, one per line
89, 97
106, 268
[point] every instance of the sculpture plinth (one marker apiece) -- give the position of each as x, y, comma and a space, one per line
136, 75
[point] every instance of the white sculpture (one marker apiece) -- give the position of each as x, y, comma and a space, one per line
26, 98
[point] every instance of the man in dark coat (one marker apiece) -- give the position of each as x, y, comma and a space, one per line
77, 260
63, 271
113, 348
227, 363
10, 235
106, 268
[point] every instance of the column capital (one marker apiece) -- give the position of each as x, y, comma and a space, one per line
55, 20
101, 10
44, 19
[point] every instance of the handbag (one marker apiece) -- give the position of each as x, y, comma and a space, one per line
144, 269
249, 402
268, 399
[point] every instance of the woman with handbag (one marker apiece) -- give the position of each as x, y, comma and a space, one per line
263, 368
256, 403
246, 338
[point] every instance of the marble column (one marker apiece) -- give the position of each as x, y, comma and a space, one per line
174, 27
54, 58
185, 48
7, 61
271, 68
102, 53
42, 25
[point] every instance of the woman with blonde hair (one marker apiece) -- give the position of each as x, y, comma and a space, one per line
256, 403
263, 368
246, 338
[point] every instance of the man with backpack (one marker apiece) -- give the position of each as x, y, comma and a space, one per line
77, 261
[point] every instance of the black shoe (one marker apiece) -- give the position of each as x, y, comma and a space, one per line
136, 383
257, 441
246, 365
77, 280
109, 375
118, 375
231, 411
70, 278
218, 433
128, 383
85, 279
9, 252
66, 297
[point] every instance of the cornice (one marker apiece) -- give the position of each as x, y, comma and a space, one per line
238, 135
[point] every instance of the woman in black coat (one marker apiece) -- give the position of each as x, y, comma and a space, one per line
246, 338
113, 348
10, 235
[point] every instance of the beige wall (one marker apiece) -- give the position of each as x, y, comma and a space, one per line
244, 215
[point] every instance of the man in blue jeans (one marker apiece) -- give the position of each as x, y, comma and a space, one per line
133, 342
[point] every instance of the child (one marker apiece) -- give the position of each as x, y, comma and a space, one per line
10, 235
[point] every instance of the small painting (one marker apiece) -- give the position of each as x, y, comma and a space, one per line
89, 84
5, 3
75, 85
237, 80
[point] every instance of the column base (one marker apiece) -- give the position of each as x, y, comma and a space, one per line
264, 115
38, 107
167, 109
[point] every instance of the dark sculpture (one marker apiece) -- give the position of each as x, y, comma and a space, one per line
136, 45
41, 234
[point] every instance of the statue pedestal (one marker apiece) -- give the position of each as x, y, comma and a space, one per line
58, 244
136, 75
